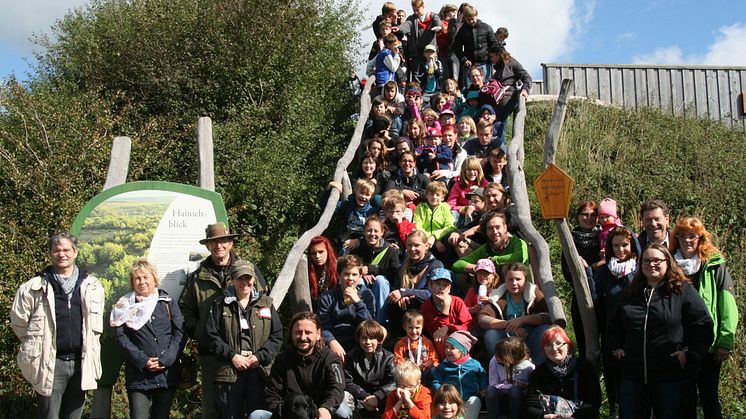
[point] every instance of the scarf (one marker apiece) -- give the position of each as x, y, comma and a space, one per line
689, 266
562, 369
424, 22
133, 310
586, 238
67, 283
621, 269
415, 268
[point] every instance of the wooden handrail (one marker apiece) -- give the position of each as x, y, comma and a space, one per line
519, 194
296, 255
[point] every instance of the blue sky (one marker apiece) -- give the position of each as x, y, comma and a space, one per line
541, 31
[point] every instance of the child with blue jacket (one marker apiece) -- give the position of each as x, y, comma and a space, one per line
463, 371
434, 155
350, 214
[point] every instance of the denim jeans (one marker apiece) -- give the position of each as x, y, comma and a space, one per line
153, 404
504, 403
472, 406
533, 341
500, 128
67, 399
381, 289
666, 399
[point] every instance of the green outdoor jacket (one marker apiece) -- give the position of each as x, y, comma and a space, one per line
716, 288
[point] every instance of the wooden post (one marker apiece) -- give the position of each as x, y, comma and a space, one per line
579, 277
119, 162
205, 149
519, 194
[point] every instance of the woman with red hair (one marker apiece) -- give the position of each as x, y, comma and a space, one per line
565, 375
322, 275
696, 254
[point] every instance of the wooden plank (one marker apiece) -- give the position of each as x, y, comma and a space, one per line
713, 103
700, 93
688, 90
579, 82
677, 92
736, 98
591, 82
617, 87
628, 88
604, 85
654, 92
641, 88
664, 83
205, 151
567, 73
553, 81
726, 110
119, 162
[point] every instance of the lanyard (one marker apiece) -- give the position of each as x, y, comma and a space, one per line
419, 350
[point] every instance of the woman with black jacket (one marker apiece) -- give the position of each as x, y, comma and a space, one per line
660, 331
149, 329
509, 72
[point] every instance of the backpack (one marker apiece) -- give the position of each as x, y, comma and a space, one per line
493, 93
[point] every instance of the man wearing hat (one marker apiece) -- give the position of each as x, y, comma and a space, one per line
207, 281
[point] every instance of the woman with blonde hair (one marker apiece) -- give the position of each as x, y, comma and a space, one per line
149, 329
693, 248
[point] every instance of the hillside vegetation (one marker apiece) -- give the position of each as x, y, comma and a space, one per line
696, 166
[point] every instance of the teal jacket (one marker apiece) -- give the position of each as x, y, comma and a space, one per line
716, 288
436, 222
515, 251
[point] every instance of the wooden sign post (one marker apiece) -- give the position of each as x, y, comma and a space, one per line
554, 188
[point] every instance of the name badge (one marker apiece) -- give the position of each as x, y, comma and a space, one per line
244, 324
265, 313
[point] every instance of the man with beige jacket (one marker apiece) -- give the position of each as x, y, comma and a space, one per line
58, 316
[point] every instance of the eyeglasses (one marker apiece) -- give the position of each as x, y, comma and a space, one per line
688, 237
555, 345
654, 262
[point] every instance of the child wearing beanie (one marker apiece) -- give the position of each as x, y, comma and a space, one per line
608, 218
462, 371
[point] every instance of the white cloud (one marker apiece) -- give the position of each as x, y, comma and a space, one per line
20, 19
728, 48
626, 36
540, 31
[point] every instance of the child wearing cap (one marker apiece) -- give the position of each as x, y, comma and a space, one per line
433, 155
444, 313
485, 280
609, 220
431, 71
463, 371
471, 105
474, 211
413, 100
447, 117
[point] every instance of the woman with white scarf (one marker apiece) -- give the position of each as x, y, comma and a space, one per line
611, 279
694, 251
149, 328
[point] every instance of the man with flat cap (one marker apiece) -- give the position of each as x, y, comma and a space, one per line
202, 286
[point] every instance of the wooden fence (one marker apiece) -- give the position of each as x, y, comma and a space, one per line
708, 92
